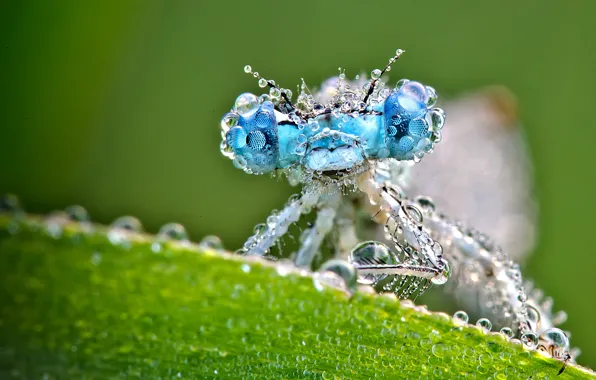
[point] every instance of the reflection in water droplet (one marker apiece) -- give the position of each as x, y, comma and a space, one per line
554, 342
529, 339
121, 228
336, 273
170, 231
440, 349
245, 103
414, 213
401, 83
371, 252
173, 231
485, 323
507, 332
128, 223
436, 119
442, 277
461, 316
77, 213
211, 242
432, 96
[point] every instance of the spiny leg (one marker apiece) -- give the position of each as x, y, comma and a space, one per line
416, 261
493, 283
266, 235
314, 236
487, 280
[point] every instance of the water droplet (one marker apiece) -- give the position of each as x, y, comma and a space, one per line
414, 213
432, 96
461, 316
412, 97
554, 342
121, 228
485, 359
128, 223
529, 339
440, 349
264, 98
245, 268
173, 231
247, 69
228, 121
77, 213
401, 83
301, 149
371, 252
442, 277
436, 119
507, 332
337, 273
245, 103
211, 242
288, 92
485, 324
262, 83
274, 92
10, 203
375, 74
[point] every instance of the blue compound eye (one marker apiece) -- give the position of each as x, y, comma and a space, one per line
417, 128
256, 140
405, 120
263, 119
236, 138
406, 144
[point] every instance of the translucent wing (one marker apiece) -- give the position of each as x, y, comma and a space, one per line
481, 174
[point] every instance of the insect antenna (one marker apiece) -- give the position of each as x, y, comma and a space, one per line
266, 82
379, 73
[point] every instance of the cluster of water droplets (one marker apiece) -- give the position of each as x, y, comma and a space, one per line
340, 274
552, 342
277, 224
495, 284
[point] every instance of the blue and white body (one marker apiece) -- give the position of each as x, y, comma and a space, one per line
360, 137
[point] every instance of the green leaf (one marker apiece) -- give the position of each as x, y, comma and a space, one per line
74, 305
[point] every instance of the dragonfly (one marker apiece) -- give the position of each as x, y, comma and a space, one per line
352, 147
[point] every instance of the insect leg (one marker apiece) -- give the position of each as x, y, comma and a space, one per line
313, 237
416, 260
277, 224
346, 228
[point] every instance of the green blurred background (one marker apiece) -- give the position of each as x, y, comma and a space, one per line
115, 105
